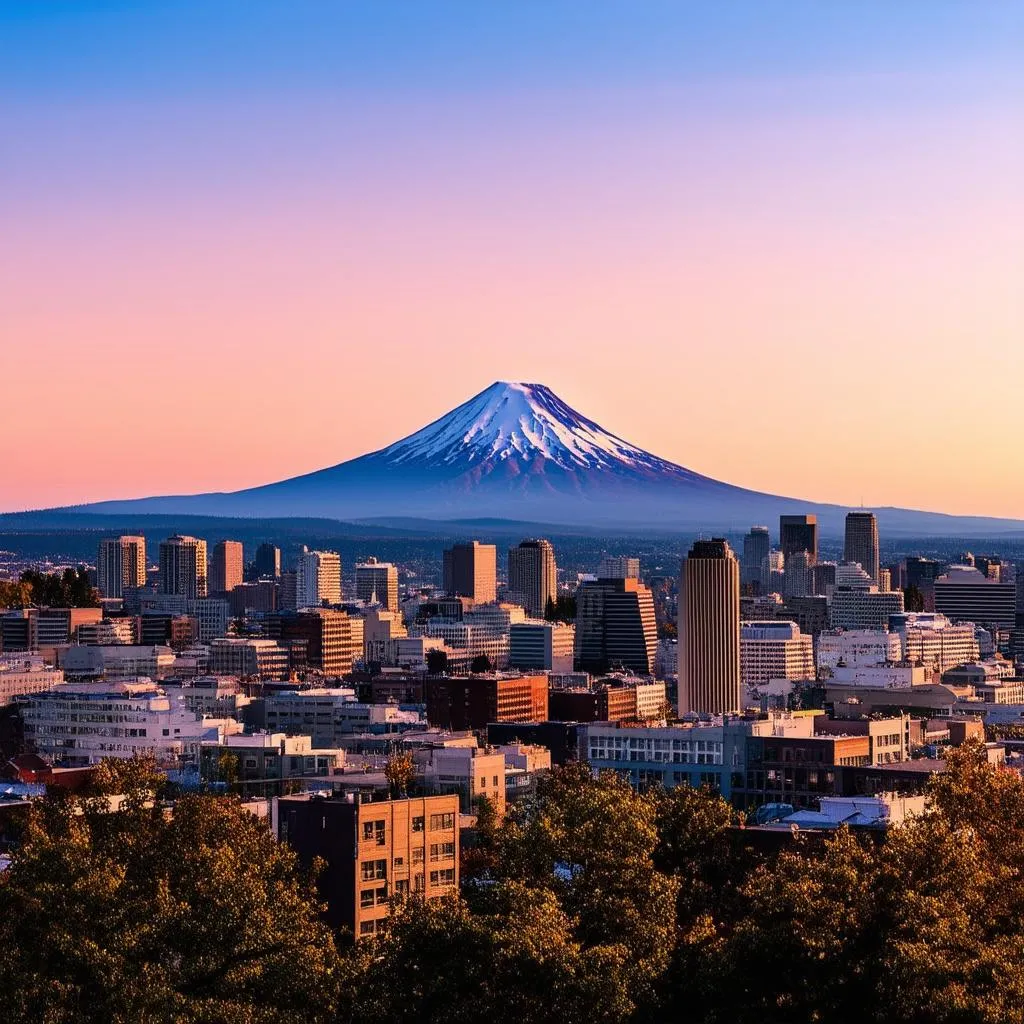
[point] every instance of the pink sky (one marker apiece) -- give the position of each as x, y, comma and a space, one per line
813, 288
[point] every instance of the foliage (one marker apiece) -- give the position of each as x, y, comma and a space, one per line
136, 915
481, 663
561, 609
69, 589
400, 771
437, 662
913, 599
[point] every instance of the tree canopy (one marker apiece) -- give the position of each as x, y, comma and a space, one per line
68, 589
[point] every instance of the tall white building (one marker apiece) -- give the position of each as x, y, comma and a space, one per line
120, 565
317, 579
377, 583
774, 650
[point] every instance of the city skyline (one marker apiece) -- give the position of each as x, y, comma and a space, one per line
834, 212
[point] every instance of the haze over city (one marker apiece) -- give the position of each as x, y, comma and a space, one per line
243, 242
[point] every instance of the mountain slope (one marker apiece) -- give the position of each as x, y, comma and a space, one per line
517, 451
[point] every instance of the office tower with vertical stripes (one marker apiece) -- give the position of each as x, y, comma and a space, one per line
861, 543
709, 630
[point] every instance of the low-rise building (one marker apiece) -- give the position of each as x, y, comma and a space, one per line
82, 723
260, 764
374, 851
248, 658
774, 650
116, 661
22, 674
471, 702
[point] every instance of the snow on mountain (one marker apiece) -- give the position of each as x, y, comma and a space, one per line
524, 422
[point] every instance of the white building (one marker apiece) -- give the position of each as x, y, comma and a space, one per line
22, 674
863, 607
108, 632
317, 579
935, 641
83, 723
900, 676
212, 615
855, 647
774, 650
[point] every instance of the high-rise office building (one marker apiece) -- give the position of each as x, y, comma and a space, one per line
268, 561
317, 578
619, 567
183, 567
756, 546
471, 570
709, 629
862, 542
774, 650
333, 639
615, 627
532, 575
120, 565
964, 594
799, 575
377, 583
799, 533
226, 566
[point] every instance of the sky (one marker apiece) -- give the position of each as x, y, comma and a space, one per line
778, 242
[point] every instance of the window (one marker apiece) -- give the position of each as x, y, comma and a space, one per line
417, 824
366, 898
441, 851
441, 821
417, 856
373, 869
495, 781
401, 887
374, 830
367, 927
399, 862
418, 885
446, 876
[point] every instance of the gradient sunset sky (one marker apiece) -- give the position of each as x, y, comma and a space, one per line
781, 243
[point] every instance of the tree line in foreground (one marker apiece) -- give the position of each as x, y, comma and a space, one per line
591, 904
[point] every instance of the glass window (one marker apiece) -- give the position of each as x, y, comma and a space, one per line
417, 824
373, 869
442, 821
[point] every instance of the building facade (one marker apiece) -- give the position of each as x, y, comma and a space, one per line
532, 575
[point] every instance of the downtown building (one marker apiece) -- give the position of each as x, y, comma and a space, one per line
709, 630
471, 570
317, 579
861, 542
774, 650
377, 583
120, 565
227, 567
615, 627
533, 576
964, 594
541, 646
183, 567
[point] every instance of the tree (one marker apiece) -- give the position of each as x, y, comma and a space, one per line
135, 915
437, 662
591, 841
400, 771
481, 663
913, 599
510, 960
70, 589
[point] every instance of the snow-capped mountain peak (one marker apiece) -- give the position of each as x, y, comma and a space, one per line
522, 422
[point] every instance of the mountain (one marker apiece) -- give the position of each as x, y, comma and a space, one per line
517, 451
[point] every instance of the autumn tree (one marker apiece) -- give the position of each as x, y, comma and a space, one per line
139, 915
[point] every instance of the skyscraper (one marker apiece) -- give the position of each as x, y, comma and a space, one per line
709, 630
756, 546
120, 565
799, 533
532, 575
183, 567
226, 566
862, 541
615, 626
317, 578
471, 570
268, 561
377, 583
